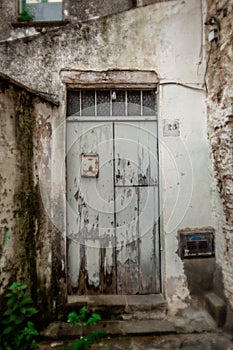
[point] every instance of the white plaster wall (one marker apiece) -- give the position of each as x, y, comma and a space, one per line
186, 197
165, 37
185, 159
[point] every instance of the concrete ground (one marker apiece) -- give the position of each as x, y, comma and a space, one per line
196, 333
204, 341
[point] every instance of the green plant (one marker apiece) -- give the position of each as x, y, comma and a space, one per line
25, 14
86, 340
16, 328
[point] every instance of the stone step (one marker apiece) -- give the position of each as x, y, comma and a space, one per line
118, 306
63, 330
138, 315
216, 307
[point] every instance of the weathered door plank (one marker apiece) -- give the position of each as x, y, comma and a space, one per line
90, 210
136, 180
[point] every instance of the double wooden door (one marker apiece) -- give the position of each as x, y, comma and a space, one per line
112, 207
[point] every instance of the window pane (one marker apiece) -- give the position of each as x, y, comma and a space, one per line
134, 103
118, 104
88, 103
103, 103
148, 102
111, 103
73, 103
44, 10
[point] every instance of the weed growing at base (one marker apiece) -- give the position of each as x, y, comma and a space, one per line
17, 330
86, 340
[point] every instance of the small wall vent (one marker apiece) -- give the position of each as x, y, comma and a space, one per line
196, 244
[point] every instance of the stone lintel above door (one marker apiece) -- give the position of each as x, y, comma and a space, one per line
109, 79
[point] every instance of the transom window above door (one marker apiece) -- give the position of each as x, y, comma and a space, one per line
105, 103
40, 10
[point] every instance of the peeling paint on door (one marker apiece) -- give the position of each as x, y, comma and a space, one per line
137, 245
112, 218
90, 210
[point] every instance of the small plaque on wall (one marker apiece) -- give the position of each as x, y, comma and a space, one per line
171, 127
90, 165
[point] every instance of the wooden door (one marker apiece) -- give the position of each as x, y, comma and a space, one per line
112, 194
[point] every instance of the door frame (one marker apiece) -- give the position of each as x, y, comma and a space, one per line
114, 79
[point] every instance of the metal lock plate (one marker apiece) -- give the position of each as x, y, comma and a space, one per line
90, 165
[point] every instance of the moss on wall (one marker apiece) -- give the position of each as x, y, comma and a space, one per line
27, 256
25, 195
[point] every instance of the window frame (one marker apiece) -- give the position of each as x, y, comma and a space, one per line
94, 109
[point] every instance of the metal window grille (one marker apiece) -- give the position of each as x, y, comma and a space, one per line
111, 103
196, 244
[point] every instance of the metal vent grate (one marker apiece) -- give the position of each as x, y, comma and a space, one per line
196, 244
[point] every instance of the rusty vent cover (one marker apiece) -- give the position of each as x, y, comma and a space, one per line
196, 244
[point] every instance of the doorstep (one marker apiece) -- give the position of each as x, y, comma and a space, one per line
123, 303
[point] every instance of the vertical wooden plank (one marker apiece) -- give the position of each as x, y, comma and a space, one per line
126, 238
149, 241
138, 262
73, 263
93, 263
136, 153
90, 207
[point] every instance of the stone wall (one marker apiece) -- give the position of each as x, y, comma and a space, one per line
220, 129
73, 12
18, 218
9, 13
82, 10
24, 225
